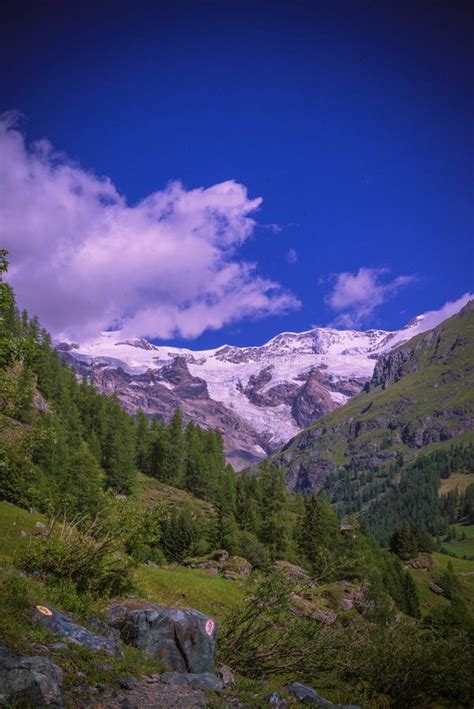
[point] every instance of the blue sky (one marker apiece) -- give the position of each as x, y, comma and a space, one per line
351, 120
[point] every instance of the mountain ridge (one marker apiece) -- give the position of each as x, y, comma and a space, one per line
420, 395
259, 397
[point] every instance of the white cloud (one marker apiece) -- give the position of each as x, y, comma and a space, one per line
84, 260
291, 256
432, 318
356, 295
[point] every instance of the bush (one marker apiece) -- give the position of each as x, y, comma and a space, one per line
263, 636
81, 552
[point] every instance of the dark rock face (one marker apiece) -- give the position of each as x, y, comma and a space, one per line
390, 368
31, 681
62, 624
312, 400
283, 393
184, 640
203, 680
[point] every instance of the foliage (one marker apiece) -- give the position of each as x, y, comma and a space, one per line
408, 540
82, 552
262, 636
415, 498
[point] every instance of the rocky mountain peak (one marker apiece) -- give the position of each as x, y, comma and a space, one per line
258, 396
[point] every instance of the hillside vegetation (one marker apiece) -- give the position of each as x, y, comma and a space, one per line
97, 505
419, 406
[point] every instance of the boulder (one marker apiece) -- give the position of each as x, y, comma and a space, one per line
226, 675
236, 567
311, 608
353, 596
205, 681
307, 695
183, 639
29, 681
427, 562
63, 625
212, 562
275, 700
292, 572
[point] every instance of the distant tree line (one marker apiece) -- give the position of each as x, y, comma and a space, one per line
415, 498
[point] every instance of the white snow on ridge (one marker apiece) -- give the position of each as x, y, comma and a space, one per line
342, 354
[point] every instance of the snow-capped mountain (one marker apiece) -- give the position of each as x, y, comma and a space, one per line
259, 397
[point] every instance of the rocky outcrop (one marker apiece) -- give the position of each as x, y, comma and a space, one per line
292, 572
313, 400
30, 681
219, 562
236, 567
183, 640
427, 562
63, 625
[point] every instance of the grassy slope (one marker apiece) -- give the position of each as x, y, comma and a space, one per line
170, 585
443, 381
430, 600
456, 481
461, 547
150, 492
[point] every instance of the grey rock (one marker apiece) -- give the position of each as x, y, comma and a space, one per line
62, 624
226, 675
127, 683
183, 639
58, 646
205, 681
307, 695
31, 680
275, 700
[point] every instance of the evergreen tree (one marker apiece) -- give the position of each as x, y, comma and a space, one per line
274, 499
411, 599
143, 443
319, 535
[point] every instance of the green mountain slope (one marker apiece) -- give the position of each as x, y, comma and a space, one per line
421, 398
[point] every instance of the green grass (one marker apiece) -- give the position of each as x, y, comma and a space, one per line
14, 520
459, 565
150, 492
178, 586
442, 380
17, 597
430, 600
462, 547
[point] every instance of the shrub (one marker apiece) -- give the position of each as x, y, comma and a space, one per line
81, 552
263, 637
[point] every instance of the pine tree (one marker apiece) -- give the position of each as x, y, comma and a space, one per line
411, 598
320, 535
275, 504
82, 488
142, 435
173, 463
